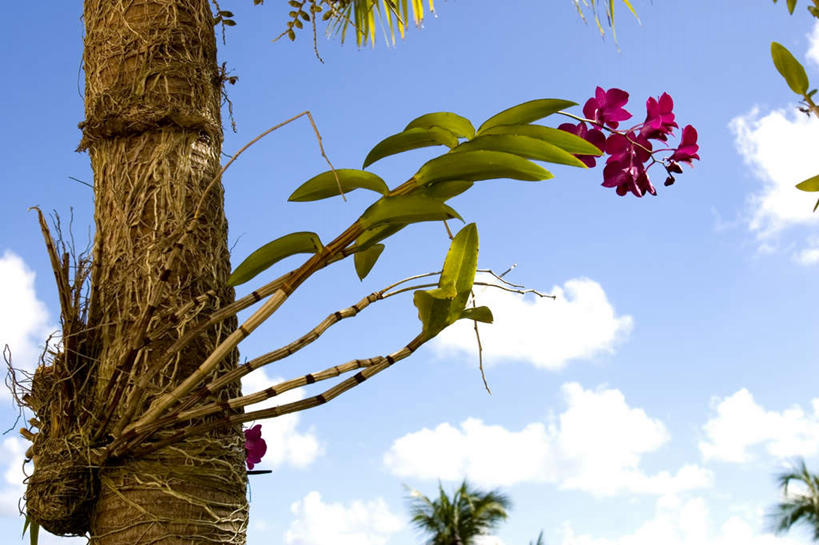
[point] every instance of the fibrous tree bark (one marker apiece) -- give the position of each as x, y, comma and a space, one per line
153, 133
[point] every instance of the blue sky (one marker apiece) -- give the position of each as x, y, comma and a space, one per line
652, 402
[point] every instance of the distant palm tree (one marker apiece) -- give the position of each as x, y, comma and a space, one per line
460, 519
539, 540
798, 507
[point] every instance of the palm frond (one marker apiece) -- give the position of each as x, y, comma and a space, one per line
800, 508
366, 15
458, 518
539, 540
608, 8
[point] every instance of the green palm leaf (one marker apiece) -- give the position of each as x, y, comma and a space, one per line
458, 519
797, 508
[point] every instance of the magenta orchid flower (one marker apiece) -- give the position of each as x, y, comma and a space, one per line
631, 151
688, 148
592, 136
255, 446
625, 168
659, 121
606, 107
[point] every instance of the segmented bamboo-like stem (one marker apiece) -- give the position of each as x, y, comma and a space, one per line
314, 263
161, 404
277, 355
279, 410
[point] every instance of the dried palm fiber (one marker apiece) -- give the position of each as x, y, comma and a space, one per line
153, 133
61, 491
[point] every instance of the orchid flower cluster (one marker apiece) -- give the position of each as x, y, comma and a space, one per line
631, 152
255, 446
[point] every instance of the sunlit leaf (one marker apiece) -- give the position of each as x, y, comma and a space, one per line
446, 190
302, 242
377, 234
408, 140
564, 140
365, 259
434, 308
454, 123
790, 68
479, 314
480, 165
406, 209
811, 184
325, 184
366, 15
439, 307
526, 112
524, 146
461, 261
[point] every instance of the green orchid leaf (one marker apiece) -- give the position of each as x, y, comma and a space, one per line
526, 112
790, 68
461, 261
434, 309
524, 146
461, 127
479, 165
377, 234
303, 242
446, 190
811, 184
365, 259
34, 530
440, 307
564, 140
325, 184
479, 314
408, 140
405, 209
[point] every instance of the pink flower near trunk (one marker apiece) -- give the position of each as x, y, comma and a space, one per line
255, 446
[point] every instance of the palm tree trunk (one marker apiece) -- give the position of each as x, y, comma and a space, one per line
153, 133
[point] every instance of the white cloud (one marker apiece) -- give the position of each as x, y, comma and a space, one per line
808, 256
24, 322
358, 523
596, 446
780, 148
579, 324
741, 423
813, 48
488, 540
285, 443
683, 522
13, 453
